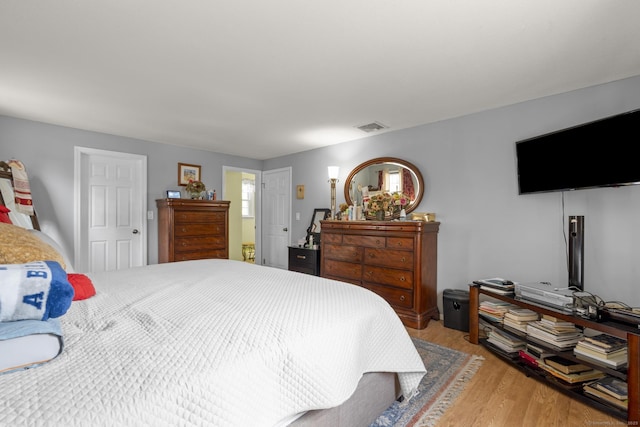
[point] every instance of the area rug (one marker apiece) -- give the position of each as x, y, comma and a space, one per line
448, 372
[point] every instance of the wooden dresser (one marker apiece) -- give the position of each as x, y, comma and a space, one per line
395, 259
192, 229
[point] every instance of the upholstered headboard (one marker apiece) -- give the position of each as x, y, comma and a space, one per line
7, 199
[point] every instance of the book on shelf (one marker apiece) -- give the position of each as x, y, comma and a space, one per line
528, 358
560, 346
617, 363
605, 398
565, 365
575, 377
562, 341
497, 290
494, 310
613, 386
513, 355
552, 320
600, 352
556, 327
521, 314
605, 341
506, 341
538, 352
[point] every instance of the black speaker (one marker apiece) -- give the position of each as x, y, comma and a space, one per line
576, 251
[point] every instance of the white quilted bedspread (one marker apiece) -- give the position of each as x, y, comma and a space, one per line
209, 343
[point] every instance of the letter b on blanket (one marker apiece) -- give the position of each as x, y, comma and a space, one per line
38, 290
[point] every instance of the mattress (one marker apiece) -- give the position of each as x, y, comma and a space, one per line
210, 342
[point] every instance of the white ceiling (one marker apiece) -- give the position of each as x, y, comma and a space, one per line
262, 79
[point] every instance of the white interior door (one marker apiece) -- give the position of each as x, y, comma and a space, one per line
276, 217
111, 231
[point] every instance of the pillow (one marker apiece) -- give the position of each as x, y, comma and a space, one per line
49, 241
37, 290
82, 286
4, 215
19, 246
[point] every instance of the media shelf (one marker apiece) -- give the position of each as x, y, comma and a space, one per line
627, 332
571, 390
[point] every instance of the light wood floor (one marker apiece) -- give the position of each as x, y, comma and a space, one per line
500, 395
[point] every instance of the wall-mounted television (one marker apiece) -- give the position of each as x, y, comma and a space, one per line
595, 154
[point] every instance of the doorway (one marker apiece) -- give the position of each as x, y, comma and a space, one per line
242, 188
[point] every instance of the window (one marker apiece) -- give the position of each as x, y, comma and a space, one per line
248, 197
395, 184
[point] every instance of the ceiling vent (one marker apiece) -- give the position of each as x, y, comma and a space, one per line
372, 127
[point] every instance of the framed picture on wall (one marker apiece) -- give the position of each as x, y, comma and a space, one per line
188, 172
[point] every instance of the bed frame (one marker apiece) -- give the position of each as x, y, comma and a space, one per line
376, 391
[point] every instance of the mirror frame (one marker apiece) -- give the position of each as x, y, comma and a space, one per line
318, 215
382, 160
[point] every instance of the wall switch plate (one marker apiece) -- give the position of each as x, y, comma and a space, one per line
297, 216
300, 191
149, 214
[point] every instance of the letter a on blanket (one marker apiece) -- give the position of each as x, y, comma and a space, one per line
38, 290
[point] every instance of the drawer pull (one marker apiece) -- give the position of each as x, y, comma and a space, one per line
402, 279
184, 229
403, 259
402, 298
301, 256
378, 242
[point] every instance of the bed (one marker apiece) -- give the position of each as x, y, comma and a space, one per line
217, 343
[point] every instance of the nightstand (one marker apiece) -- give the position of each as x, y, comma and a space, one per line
304, 260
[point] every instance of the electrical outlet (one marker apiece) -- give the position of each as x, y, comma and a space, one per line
150, 215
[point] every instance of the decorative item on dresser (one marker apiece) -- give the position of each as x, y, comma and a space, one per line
395, 259
192, 229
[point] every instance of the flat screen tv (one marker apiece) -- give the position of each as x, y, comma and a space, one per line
596, 154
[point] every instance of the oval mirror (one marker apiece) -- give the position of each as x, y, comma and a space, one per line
385, 174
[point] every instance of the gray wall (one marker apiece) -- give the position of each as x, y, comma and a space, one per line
468, 165
48, 154
487, 229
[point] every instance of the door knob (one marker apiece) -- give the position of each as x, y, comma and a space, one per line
135, 231
285, 229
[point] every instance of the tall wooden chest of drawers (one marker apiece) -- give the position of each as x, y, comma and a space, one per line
395, 259
192, 229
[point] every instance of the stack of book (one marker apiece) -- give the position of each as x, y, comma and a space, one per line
556, 334
609, 390
569, 371
494, 311
516, 319
509, 344
602, 350
497, 285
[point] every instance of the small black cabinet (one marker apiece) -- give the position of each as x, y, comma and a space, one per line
304, 260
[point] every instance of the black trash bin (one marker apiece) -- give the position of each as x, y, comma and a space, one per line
455, 303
